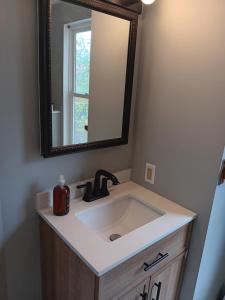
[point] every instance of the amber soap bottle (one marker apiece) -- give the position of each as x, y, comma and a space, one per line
61, 198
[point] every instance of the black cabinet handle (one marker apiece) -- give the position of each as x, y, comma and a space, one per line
158, 285
144, 295
158, 260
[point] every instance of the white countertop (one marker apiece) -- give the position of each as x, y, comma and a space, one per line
101, 255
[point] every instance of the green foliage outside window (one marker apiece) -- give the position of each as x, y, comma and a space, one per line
83, 48
80, 120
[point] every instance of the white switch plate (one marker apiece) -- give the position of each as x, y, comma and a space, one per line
150, 173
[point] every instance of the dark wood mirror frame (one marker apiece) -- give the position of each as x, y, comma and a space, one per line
45, 76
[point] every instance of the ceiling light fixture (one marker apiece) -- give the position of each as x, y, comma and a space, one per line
148, 1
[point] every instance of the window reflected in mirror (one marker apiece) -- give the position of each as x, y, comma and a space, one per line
88, 74
77, 56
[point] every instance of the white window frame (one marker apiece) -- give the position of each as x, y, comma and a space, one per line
70, 31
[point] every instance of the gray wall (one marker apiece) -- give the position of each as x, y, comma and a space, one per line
109, 49
211, 277
180, 124
23, 171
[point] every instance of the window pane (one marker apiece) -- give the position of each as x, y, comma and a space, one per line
82, 59
80, 120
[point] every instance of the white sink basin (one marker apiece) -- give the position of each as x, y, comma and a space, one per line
120, 216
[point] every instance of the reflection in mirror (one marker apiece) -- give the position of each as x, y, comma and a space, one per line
88, 74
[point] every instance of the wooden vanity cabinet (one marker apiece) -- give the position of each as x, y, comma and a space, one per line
153, 274
165, 282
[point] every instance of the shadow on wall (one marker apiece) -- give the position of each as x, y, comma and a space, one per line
221, 294
30, 106
3, 295
23, 257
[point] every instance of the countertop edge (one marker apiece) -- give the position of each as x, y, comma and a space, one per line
108, 269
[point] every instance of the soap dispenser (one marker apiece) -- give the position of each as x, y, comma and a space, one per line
61, 198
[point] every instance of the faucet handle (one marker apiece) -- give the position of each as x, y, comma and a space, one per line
88, 191
115, 181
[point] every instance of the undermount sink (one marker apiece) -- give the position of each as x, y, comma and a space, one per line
118, 217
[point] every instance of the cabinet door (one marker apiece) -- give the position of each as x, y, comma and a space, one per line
140, 292
165, 283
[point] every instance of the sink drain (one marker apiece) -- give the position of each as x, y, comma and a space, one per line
114, 237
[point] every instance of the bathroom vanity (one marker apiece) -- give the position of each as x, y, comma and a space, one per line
147, 262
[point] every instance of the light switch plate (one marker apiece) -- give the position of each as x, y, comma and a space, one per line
150, 173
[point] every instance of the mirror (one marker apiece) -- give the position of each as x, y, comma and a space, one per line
88, 66
85, 102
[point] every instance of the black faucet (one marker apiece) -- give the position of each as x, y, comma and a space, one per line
100, 189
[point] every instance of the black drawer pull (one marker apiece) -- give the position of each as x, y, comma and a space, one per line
158, 260
158, 285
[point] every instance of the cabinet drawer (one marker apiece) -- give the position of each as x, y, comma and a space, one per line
143, 264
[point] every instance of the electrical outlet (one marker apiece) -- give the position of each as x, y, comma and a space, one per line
150, 173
